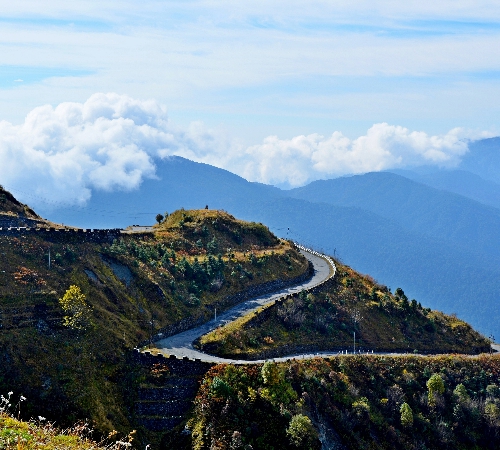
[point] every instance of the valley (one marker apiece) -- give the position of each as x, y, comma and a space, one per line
159, 290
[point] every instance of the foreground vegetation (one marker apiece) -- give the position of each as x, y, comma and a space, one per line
67, 330
351, 402
327, 320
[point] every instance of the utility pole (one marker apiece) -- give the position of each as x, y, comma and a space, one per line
151, 333
354, 343
215, 320
49, 258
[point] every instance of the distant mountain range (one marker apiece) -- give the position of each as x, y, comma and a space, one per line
435, 233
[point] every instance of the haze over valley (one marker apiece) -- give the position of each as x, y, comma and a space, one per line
250, 226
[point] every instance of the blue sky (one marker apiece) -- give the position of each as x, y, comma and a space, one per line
320, 67
240, 73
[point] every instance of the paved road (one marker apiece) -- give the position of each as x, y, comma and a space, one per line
182, 344
138, 229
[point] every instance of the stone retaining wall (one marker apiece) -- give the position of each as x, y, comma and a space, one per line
161, 408
96, 235
8, 221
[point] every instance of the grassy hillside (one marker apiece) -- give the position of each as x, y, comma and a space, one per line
133, 287
10, 205
351, 402
386, 237
350, 303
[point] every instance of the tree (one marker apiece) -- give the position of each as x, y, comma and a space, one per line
493, 391
271, 373
461, 393
492, 413
159, 218
301, 432
361, 408
435, 385
78, 312
406, 415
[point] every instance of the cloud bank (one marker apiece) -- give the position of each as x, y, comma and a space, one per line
113, 142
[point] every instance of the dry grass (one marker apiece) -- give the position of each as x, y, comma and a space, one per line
42, 434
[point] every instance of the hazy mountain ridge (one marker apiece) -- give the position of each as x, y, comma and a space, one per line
442, 215
461, 182
440, 246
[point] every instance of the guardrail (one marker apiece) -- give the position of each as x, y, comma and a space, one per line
320, 255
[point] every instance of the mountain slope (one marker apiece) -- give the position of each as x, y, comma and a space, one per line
434, 272
351, 403
441, 247
483, 159
461, 182
179, 183
71, 358
440, 215
326, 320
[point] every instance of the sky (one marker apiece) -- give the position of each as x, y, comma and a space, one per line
94, 93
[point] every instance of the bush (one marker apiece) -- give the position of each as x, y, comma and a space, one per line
435, 385
78, 312
220, 388
302, 433
406, 415
461, 393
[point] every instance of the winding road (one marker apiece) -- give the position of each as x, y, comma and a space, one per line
181, 345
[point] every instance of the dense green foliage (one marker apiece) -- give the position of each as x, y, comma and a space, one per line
351, 402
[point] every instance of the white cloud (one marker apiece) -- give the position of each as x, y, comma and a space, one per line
62, 153
111, 142
305, 158
220, 62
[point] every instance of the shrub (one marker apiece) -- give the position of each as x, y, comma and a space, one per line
220, 388
301, 432
406, 415
435, 386
361, 408
493, 391
78, 312
492, 413
461, 393
271, 373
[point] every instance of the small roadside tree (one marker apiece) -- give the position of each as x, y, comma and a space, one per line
159, 218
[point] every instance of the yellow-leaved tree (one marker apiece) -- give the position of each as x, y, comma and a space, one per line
78, 313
